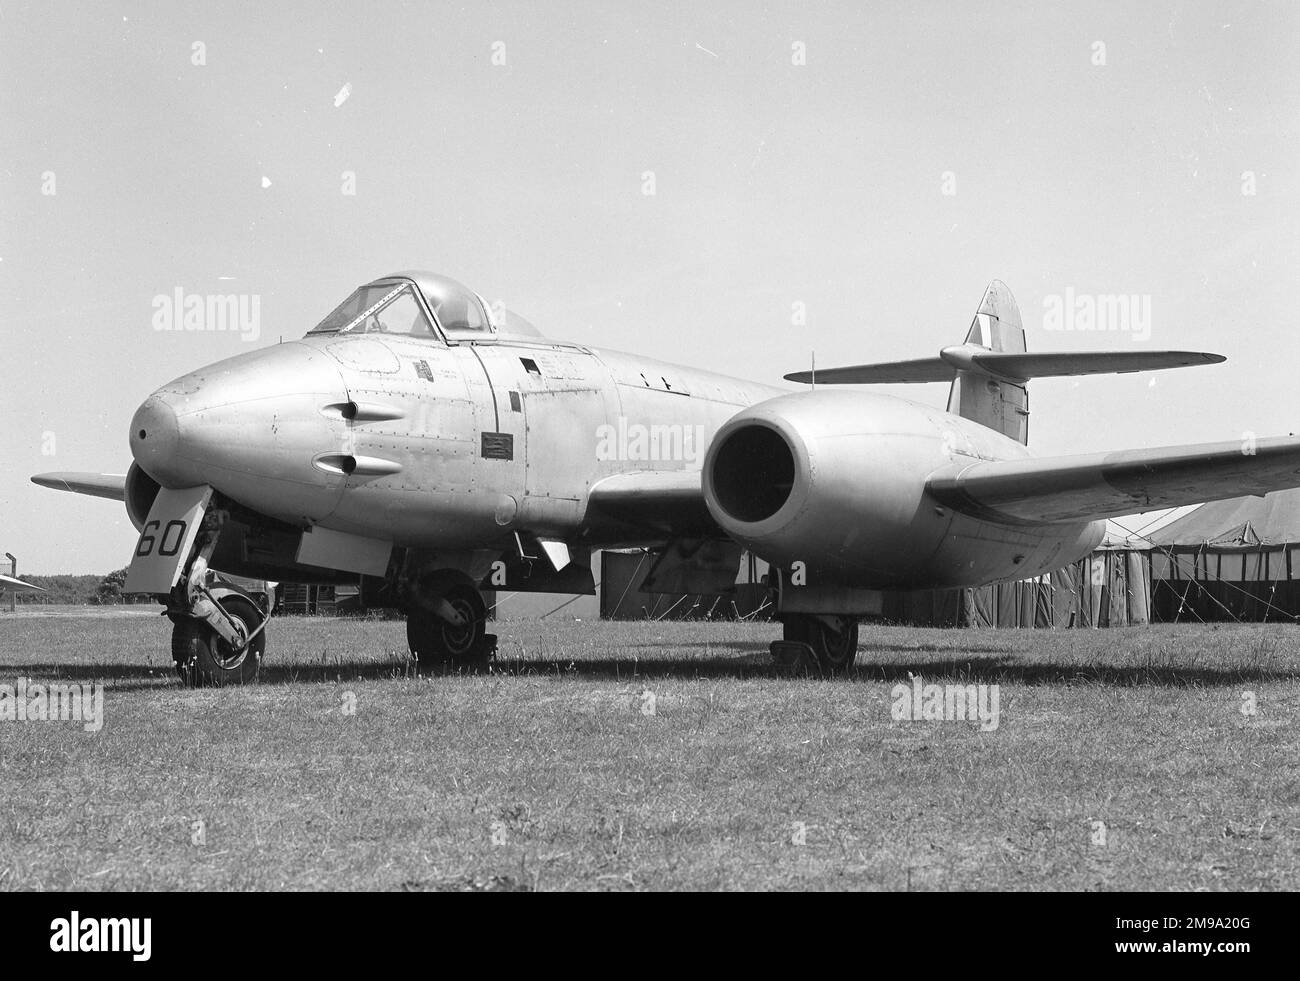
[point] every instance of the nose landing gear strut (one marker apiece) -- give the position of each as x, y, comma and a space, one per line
218, 633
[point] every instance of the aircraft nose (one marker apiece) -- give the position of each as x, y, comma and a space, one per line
250, 426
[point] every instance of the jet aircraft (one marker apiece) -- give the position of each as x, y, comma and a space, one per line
431, 447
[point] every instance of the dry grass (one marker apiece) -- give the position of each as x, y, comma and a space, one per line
548, 773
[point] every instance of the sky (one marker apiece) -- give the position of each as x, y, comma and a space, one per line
729, 185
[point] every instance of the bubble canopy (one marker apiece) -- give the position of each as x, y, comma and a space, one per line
392, 305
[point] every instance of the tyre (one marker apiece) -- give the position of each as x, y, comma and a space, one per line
203, 658
436, 643
834, 645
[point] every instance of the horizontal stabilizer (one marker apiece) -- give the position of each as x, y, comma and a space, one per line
1026, 366
892, 373
1100, 485
1004, 365
109, 485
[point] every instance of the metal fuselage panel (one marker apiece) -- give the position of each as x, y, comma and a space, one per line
497, 437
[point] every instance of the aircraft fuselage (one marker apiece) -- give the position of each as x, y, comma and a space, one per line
457, 446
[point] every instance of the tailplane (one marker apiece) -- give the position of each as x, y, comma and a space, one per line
989, 372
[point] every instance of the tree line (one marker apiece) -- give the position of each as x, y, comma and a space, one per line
94, 590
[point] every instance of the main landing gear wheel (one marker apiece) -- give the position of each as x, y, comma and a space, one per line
833, 639
437, 641
204, 658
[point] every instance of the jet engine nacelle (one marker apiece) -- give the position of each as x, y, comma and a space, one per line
835, 481
141, 489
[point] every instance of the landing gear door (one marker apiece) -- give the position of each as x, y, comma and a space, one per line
166, 539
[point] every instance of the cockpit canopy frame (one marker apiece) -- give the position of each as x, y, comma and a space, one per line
409, 302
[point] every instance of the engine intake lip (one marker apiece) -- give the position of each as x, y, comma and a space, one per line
755, 474
140, 491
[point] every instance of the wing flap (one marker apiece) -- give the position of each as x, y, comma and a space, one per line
1100, 485
109, 485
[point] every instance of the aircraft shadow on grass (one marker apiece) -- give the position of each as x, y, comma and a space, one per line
980, 665
993, 665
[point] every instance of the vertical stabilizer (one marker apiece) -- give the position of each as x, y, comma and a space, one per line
1000, 405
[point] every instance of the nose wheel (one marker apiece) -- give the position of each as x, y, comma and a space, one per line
203, 657
446, 625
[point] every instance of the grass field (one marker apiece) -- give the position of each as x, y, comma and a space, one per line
657, 756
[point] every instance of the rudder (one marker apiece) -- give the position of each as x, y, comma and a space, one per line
999, 405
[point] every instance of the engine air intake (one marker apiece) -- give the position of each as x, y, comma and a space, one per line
753, 473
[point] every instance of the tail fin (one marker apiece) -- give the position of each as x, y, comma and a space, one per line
999, 404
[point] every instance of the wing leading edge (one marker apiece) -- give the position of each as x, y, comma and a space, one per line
670, 501
109, 485
17, 585
1099, 485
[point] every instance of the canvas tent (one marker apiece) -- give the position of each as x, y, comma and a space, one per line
1044, 601
1229, 560
1108, 588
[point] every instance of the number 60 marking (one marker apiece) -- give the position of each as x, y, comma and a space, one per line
169, 542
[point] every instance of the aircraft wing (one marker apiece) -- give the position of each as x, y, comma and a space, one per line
668, 500
17, 585
109, 485
1100, 485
